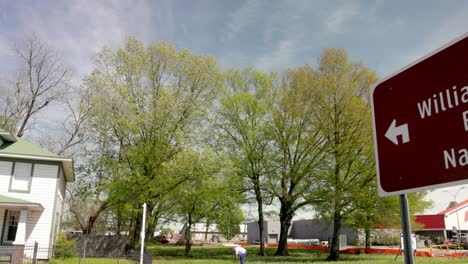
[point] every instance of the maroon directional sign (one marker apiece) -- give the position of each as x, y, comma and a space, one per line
421, 123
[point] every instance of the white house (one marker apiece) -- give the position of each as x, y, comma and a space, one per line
32, 191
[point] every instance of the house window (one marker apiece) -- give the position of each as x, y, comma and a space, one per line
11, 225
20, 180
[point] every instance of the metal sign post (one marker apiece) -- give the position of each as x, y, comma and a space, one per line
405, 223
143, 225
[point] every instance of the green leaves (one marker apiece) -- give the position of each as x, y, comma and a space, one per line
149, 102
304, 137
206, 195
229, 220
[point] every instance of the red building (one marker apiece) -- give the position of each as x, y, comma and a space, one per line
431, 226
445, 224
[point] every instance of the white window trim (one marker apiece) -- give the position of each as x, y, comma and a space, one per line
28, 190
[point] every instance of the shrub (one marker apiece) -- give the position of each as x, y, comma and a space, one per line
64, 248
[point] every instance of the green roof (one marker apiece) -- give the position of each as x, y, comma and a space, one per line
7, 136
24, 147
15, 147
6, 200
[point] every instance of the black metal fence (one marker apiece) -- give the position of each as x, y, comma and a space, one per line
35, 254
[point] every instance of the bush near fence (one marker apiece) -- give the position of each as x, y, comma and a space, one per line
100, 245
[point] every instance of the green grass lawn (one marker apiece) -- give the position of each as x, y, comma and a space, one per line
222, 255
76, 260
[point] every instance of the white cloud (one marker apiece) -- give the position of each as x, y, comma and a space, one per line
79, 29
278, 30
5, 47
447, 30
243, 18
338, 17
453, 27
281, 56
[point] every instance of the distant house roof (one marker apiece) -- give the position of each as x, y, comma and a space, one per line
7, 201
453, 208
24, 147
431, 222
15, 147
6, 136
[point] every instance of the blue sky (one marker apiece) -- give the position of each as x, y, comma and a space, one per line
267, 35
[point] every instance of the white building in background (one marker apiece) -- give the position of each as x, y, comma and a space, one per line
306, 230
202, 233
32, 192
456, 217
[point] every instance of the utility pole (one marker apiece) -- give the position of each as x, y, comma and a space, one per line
456, 213
143, 231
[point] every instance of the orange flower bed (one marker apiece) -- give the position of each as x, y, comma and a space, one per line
389, 251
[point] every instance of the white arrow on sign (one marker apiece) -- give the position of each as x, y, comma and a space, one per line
394, 131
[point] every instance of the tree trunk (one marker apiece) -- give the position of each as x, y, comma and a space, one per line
92, 219
258, 197
130, 232
136, 227
206, 230
89, 226
285, 219
335, 245
119, 222
152, 216
152, 227
28, 113
367, 232
188, 236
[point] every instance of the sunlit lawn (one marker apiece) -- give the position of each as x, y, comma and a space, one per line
77, 260
222, 255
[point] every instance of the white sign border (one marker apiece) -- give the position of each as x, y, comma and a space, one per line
381, 191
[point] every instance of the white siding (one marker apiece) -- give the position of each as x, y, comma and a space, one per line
43, 186
5, 175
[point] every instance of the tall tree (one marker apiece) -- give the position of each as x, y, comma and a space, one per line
42, 79
299, 147
42, 86
229, 220
89, 196
373, 211
345, 123
206, 191
243, 120
451, 204
151, 101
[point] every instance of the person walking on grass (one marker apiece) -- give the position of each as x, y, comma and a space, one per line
241, 252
